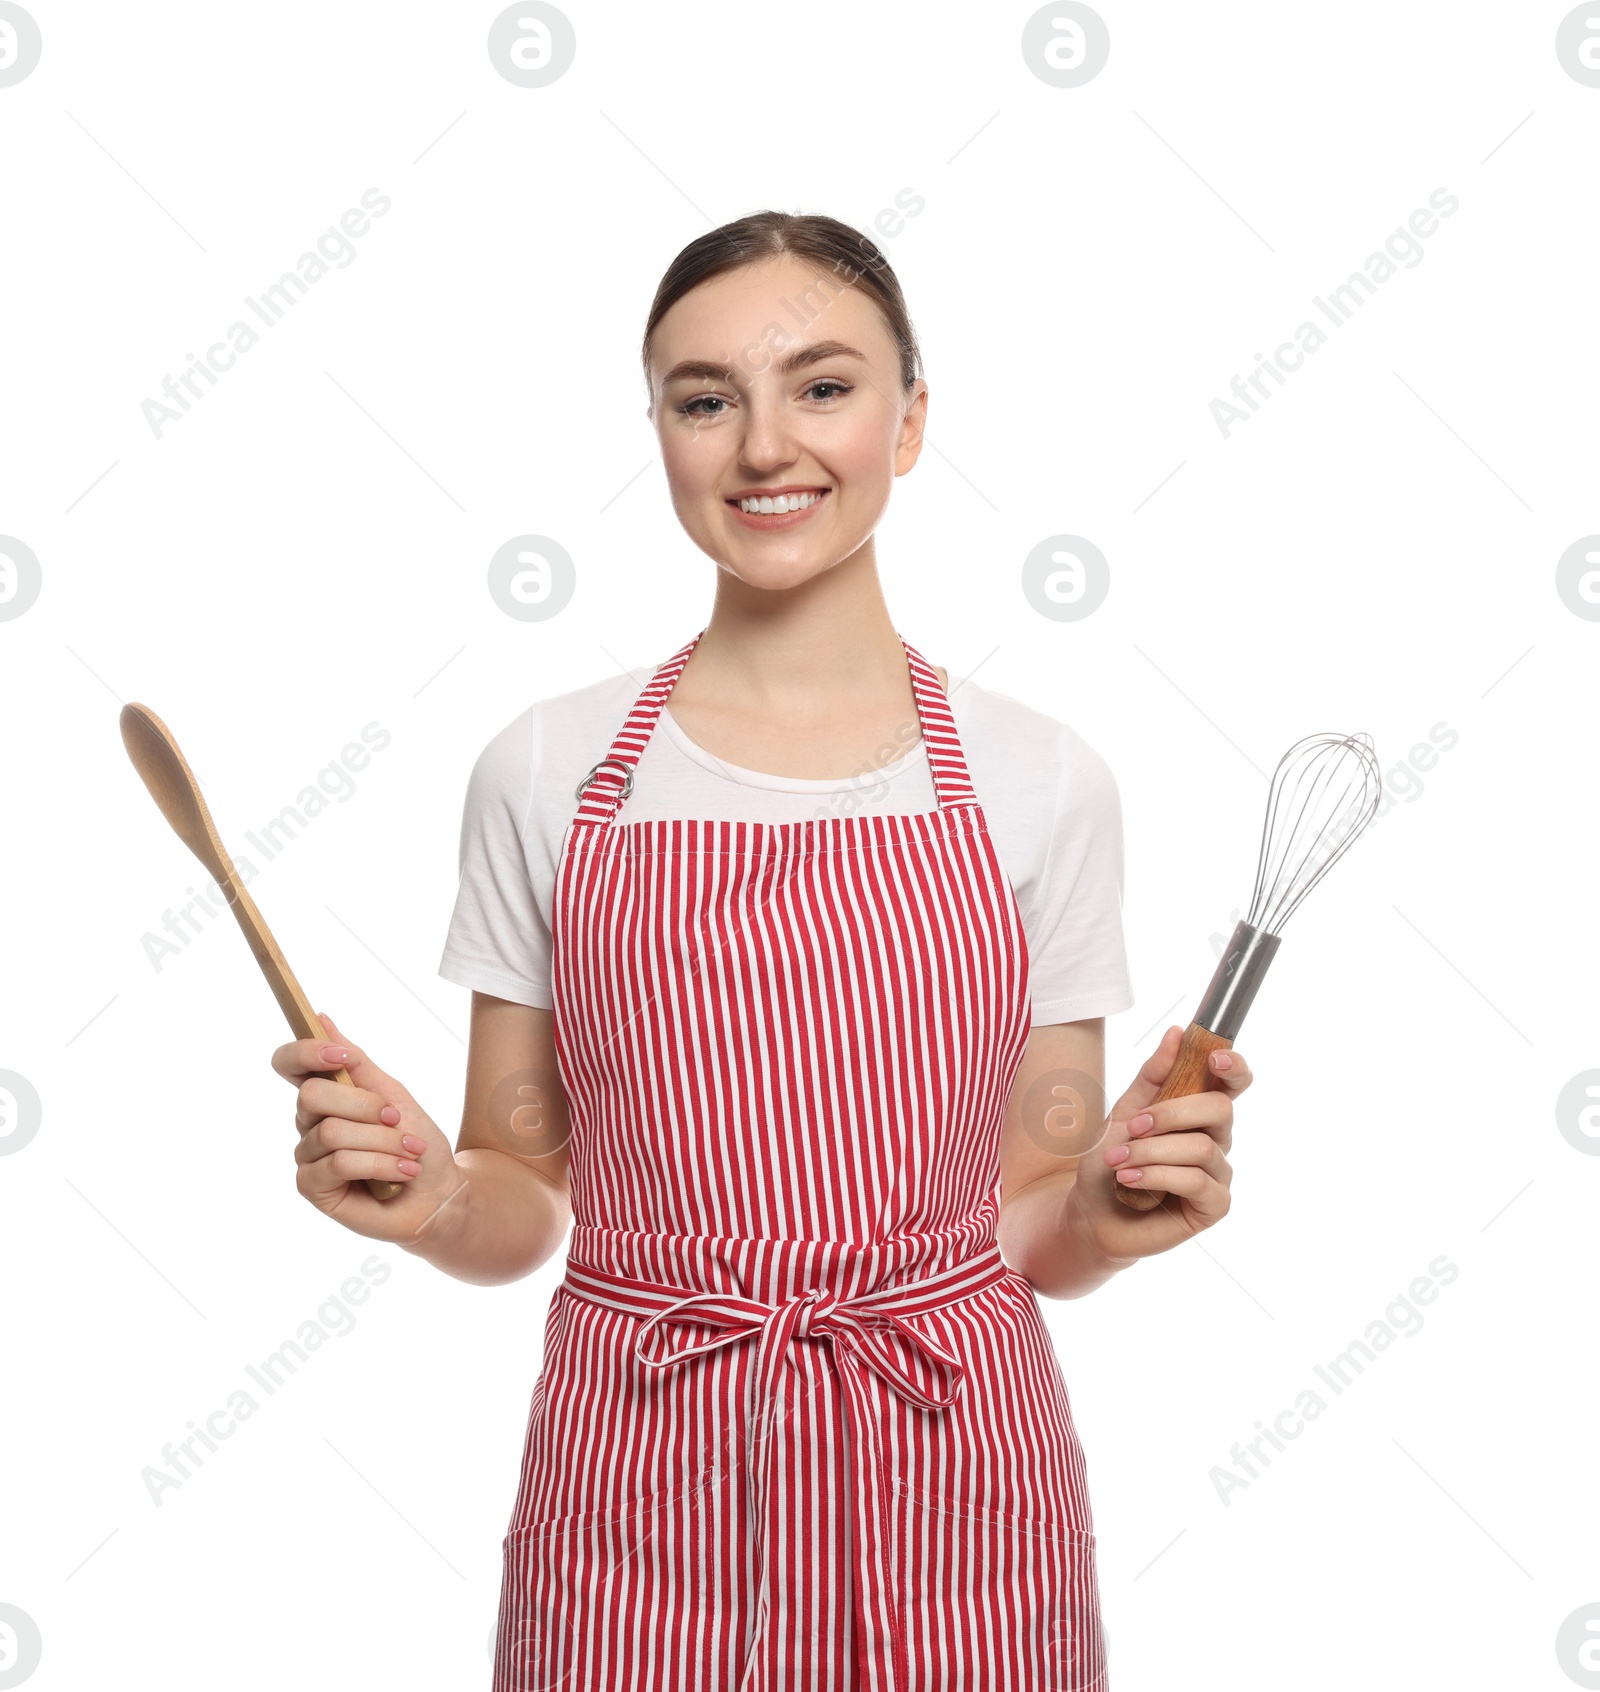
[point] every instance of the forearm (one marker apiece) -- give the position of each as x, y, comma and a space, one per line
1042, 1237
501, 1224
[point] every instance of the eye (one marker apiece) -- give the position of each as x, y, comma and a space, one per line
691, 406
826, 382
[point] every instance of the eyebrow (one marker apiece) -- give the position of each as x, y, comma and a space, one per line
707, 370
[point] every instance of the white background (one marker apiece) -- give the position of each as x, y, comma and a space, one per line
306, 552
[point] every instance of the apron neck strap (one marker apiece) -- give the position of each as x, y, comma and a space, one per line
611, 780
947, 763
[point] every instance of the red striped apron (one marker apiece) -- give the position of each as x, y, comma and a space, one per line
797, 1425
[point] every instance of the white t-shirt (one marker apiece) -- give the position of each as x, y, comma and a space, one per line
1050, 800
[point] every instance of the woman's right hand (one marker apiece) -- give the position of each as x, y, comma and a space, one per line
374, 1130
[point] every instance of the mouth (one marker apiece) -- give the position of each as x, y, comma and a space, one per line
781, 509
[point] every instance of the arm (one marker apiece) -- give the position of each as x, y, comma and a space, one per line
491, 1212
1055, 1117
495, 1207
510, 1210
1061, 1224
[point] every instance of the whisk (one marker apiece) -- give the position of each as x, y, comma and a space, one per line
1324, 792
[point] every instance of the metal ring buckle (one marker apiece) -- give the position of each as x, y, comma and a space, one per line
627, 780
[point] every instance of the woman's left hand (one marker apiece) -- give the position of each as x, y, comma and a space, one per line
1176, 1147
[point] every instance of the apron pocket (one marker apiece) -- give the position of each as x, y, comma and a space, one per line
628, 1578
993, 1596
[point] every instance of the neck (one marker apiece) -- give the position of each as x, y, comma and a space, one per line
830, 635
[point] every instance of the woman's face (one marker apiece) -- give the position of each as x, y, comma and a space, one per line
780, 379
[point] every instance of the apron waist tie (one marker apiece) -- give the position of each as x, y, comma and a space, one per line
862, 1331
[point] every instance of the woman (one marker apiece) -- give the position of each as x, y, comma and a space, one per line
783, 1047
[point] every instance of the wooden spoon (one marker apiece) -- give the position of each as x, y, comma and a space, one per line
164, 770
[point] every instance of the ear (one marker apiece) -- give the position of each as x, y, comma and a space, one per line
909, 447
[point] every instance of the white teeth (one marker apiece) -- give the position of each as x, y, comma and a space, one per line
769, 506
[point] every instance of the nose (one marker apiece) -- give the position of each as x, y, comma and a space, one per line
769, 444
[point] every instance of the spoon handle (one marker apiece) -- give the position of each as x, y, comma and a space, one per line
296, 1007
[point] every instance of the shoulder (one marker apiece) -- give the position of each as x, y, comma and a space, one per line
602, 704
1016, 741
557, 738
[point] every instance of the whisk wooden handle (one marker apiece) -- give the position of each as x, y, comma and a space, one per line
1191, 1073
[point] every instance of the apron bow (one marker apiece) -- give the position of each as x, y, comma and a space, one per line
864, 1333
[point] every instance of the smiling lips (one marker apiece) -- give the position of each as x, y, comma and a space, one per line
782, 508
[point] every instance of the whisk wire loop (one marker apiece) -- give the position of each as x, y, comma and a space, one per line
1305, 834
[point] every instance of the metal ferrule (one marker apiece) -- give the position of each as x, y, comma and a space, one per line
1233, 986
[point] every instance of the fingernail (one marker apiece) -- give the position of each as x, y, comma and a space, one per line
389, 1116
1128, 1175
335, 1054
1222, 1060
407, 1167
412, 1143
1142, 1123
1117, 1154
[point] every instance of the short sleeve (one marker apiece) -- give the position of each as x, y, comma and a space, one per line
1078, 964
498, 941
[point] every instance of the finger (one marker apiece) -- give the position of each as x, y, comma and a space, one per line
326, 1175
361, 1069
1208, 1196
301, 1058
1191, 1150
1152, 1075
338, 1133
320, 1096
1210, 1111
1229, 1071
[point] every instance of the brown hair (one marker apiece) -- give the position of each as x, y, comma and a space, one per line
770, 234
